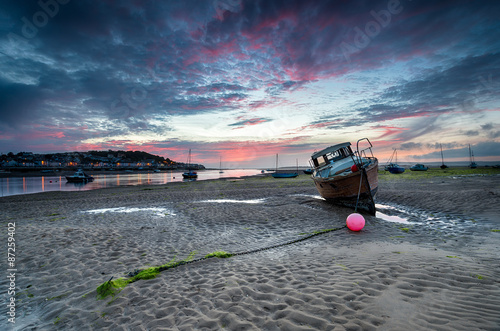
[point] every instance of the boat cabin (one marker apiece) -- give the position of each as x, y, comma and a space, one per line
331, 154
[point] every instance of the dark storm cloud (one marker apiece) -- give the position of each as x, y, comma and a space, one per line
251, 121
18, 102
410, 146
437, 92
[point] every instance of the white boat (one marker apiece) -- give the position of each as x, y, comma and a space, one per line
79, 177
346, 177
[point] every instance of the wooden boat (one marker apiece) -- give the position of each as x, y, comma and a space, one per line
394, 168
277, 174
345, 177
419, 167
79, 177
190, 174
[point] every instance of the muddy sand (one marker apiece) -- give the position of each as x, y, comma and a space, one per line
429, 260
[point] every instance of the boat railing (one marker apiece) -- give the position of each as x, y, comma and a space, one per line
360, 154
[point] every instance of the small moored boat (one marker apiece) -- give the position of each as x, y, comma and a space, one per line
419, 167
79, 177
190, 174
442, 166
345, 177
277, 174
394, 168
473, 164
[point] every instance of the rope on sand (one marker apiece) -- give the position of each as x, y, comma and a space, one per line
112, 287
162, 268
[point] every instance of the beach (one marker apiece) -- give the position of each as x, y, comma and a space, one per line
430, 259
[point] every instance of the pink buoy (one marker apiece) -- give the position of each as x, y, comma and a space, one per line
354, 168
355, 222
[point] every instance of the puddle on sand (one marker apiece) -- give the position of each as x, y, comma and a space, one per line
155, 210
251, 201
314, 196
388, 218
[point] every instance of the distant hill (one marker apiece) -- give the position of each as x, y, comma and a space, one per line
135, 156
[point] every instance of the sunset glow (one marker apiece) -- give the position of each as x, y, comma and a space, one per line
245, 80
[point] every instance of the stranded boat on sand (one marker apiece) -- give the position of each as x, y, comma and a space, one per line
419, 167
392, 167
79, 177
345, 177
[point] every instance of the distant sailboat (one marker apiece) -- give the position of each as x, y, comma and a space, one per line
277, 174
220, 166
472, 164
443, 166
394, 168
190, 173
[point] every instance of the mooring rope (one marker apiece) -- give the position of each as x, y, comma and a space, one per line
359, 190
163, 268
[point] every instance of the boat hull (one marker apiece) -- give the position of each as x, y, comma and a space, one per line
79, 180
343, 190
396, 170
285, 175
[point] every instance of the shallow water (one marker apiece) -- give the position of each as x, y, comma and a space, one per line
389, 218
27, 185
157, 211
251, 201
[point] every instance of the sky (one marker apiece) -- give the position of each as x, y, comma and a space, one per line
243, 81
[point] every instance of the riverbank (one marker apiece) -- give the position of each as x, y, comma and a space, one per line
437, 267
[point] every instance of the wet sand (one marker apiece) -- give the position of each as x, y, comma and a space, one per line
427, 261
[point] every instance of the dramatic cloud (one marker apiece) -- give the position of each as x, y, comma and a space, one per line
76, 74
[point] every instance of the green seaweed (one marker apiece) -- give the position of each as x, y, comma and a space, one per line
343, 266
453, 257
478, 276
495, 230
113, 287
219, 254
405, 229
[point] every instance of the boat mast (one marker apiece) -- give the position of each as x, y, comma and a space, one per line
443, 166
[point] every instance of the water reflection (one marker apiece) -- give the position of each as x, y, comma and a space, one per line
389, 218
25, 185
251, 201
158, 211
